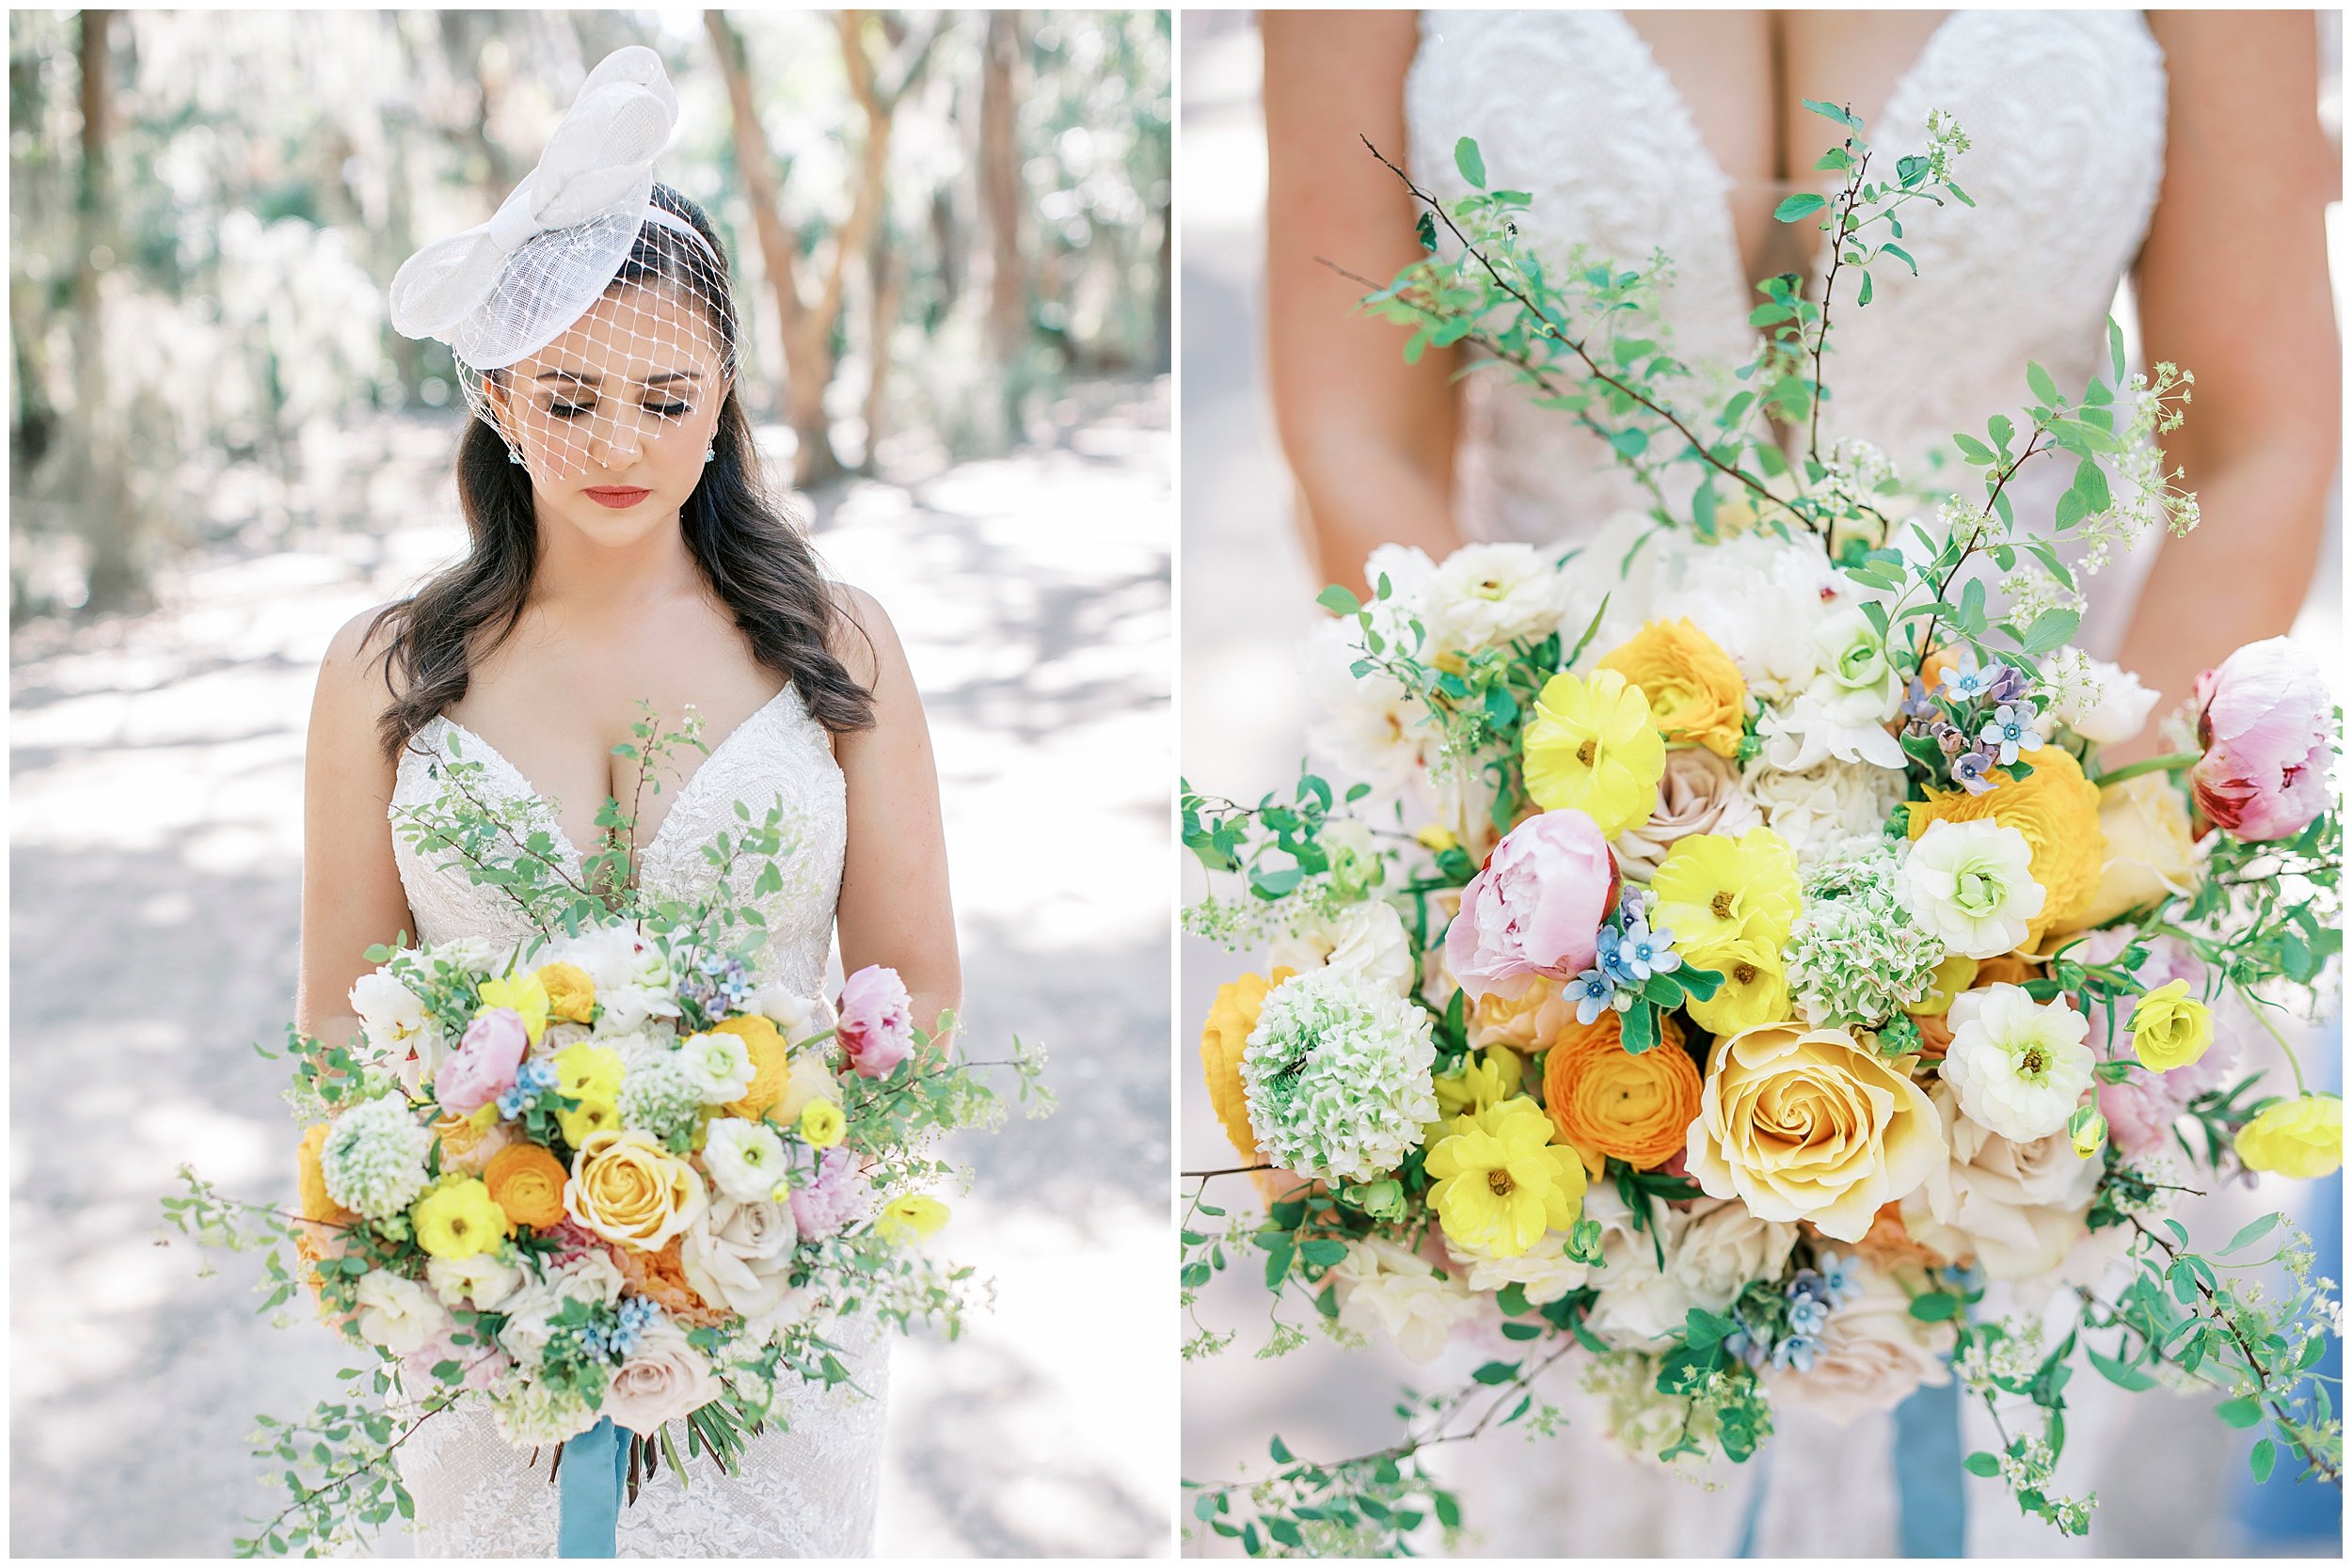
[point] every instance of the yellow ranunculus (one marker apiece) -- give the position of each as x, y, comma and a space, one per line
311, 1181
2301, 1137
1754, 987
1593, 747
1696, 694
459, 1219
2056, 810
1486, 1081
1711, 888
586, 1071
630, 1191
1501, 1182
592, 1116
571, 993
2170, 1027
1804, 1124
822, 1124
524, 995
1437, 838
1952, 976
911, 1217
2150, 856
1232, 1017
771, 1064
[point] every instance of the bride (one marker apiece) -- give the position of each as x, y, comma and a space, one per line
2180, 149
623, 549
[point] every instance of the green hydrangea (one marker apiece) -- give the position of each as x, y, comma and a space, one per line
1856, 958
1337, 1077
374, 1157
661, 1095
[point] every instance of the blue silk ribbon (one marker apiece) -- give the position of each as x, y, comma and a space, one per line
1932, 1519
594, 1464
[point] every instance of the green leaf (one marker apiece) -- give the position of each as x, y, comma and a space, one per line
1901, 255
1467, 159
2252, 1234
2118, 1373
2240, 1413
2050, 629
2259, 1463
1338, 600
1935, 1308
1982, 1464
1495, 1373
1863, 297
1632, 441
1278, 1451
2115, 349
1972, 449
2043, 388
1831, 111
1803, 204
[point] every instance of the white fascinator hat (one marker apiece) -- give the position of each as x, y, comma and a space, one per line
583, 226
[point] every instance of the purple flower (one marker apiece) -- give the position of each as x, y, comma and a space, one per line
1916, 702
2011, 732
1968, 771
1947, 736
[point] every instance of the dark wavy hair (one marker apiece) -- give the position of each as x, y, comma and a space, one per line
751, 553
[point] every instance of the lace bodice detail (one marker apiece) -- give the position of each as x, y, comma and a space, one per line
2065, 112
807, 1488
779, 754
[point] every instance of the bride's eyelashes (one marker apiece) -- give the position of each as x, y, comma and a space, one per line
580, 410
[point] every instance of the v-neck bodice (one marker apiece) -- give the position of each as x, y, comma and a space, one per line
779, 756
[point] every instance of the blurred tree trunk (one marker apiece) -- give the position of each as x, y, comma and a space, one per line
1001, 206
109, 515
1163, 297
885, 274
811, 315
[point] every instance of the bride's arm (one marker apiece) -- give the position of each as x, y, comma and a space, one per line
1369, 439
895, 908
351, 893
2233, 287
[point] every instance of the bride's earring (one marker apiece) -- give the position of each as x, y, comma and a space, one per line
710, 454
514, 457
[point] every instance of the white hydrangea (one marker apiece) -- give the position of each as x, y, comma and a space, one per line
374, 1157
745, 1159
1819, 809
2018, 1067
661, 1094
1971, 884
535, 1414
1336, 1076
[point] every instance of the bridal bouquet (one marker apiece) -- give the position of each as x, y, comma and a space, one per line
608, 1171
1714, 954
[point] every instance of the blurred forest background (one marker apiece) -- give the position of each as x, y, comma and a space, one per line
939, 222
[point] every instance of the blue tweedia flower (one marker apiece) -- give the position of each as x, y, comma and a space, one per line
1655, 949
1619, 959
1968, 770
1807, 1317
1839, 1274
1969, 681
616, 1339
1797, 1352
1743, 1346
1593, 991
2011, 731
534, 1079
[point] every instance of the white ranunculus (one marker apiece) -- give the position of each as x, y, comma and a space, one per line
391, 1015
1759, 597
665, 1380
1386, 1288
2016, 1207
1488, 595
531, 1310
1873, 1355
1820, 808
1366, 729
1366, 941
2019, 1067
720, 1065
1638, 1304
1544, 1270
2102, 702
399, 1314
745, 1159
607, 955
481, 1282
1971, 884
739, 1255
796, 1017
1723, 1247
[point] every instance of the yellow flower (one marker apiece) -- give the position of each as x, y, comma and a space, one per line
311, 1181
1436, 839
910, 1218
771, 1064
1712, 889
1952, 976
2056, 810
1696, 694
528, 1183
1593, 747
822, 1124
630, 1191
571, 993
585, 1071
592, 1117
2170, 1027
459, 1219
1232, 1017
1754, 987
2301, 1137
1501, 1182
2150, 856
524, 995
1484, 1083
1803, 1124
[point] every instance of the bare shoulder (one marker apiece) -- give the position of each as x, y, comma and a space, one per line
354, 687
864, 639
356, 654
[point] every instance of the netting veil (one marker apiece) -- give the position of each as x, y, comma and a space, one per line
590, 316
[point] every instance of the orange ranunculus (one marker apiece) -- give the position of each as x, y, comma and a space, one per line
2056, 810
1696, 694
571, 994
311, 1182
1232, 1017
662, 1277
1606, 1100
772, 1064
1889, 1241
528, 1182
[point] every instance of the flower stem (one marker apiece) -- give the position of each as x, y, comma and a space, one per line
2171, 763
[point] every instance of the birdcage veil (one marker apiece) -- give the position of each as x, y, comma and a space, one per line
587, 317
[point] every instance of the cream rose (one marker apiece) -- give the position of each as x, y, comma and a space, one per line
1389, 1290
1872, 1354
1723, 1247
2149, 855
398, 1314
1803, 1124
531, 1310
666, 1379
630, 1191
2016, 1208
1638, 1303
482, 1281
1544, 1272
739, 1255
1700, 793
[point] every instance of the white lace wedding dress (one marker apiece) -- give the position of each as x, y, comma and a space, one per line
2066, 114
806, 1487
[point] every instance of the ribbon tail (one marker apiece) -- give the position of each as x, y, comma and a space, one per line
590, 1486
1931, 1517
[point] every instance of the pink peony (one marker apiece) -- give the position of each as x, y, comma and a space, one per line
838, 1198
485, 1063
877, 1027
2141, 1110
1535, 908
2263, 718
